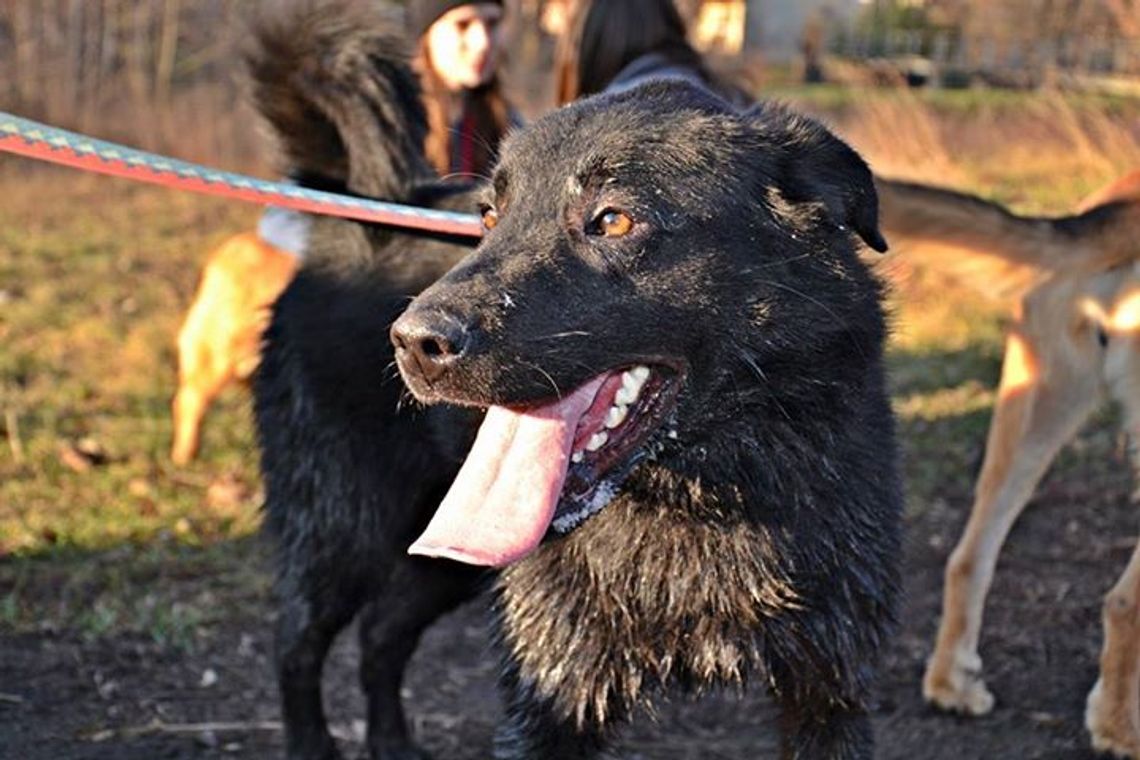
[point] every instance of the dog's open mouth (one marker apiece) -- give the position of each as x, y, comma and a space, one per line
548, 466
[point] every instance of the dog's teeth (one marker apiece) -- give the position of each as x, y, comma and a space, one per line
634, 378
597, 440
625, 396
616, 415
577, 457
632, 381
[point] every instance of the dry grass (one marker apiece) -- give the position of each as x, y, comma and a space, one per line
95, 276
1037, 152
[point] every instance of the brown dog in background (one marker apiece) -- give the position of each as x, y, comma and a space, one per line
1127, 188
220, 339
1073, 343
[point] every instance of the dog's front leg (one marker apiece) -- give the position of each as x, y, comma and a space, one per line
1113, 714
816, 732
307, 623
824, 712
413, 596
1044, 396
532, 729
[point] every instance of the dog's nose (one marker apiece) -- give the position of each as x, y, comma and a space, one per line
429, 342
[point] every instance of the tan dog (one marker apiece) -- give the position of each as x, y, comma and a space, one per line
1127, 188
220, 339
1074, 342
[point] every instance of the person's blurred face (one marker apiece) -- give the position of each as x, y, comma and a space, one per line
464, 45
555, 17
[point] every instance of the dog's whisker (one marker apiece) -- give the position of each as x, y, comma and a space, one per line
827, 309
553, 384
750, 362
405, 400
466, 175
484, 143
555, 336
781, 262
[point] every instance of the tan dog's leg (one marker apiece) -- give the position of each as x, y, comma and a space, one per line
1113, 713
220, 341
1044, 396
202, 374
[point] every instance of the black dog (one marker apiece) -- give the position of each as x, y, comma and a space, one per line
688, 464
681, 353
350, 477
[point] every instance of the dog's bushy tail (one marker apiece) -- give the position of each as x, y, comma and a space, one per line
993, 251
332, 79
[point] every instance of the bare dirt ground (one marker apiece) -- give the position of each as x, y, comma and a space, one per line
68, 695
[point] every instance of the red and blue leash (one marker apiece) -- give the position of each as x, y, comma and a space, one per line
40, 141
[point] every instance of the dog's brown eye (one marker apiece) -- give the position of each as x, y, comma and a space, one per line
490, 218
612, 223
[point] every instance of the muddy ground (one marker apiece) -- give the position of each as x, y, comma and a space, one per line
70, 695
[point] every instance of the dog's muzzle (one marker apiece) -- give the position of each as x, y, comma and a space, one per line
429, 343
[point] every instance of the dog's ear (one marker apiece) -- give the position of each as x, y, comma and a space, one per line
813, 165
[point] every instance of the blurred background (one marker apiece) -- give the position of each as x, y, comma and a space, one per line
134, 594
162, 74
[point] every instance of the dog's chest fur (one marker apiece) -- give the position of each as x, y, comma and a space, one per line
641, 595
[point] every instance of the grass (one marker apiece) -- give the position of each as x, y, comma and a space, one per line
95, 275
1037, 152
168, 593
969, 102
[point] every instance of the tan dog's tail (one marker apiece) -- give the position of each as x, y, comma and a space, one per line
1127, 188
993, 251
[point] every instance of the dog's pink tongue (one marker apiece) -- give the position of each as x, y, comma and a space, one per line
502, 501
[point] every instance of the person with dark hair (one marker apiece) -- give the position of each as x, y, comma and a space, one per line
458, 55
613, 45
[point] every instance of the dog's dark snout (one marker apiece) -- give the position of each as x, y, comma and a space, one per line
429, 342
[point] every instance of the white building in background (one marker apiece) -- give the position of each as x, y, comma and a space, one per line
776, 27
773, 27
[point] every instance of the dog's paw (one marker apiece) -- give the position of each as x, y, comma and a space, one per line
958, 687
1115, 729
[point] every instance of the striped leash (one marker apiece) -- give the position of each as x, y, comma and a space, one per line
40, 141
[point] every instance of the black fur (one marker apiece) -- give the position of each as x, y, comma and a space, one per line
758, 532
764, 536
351, 476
